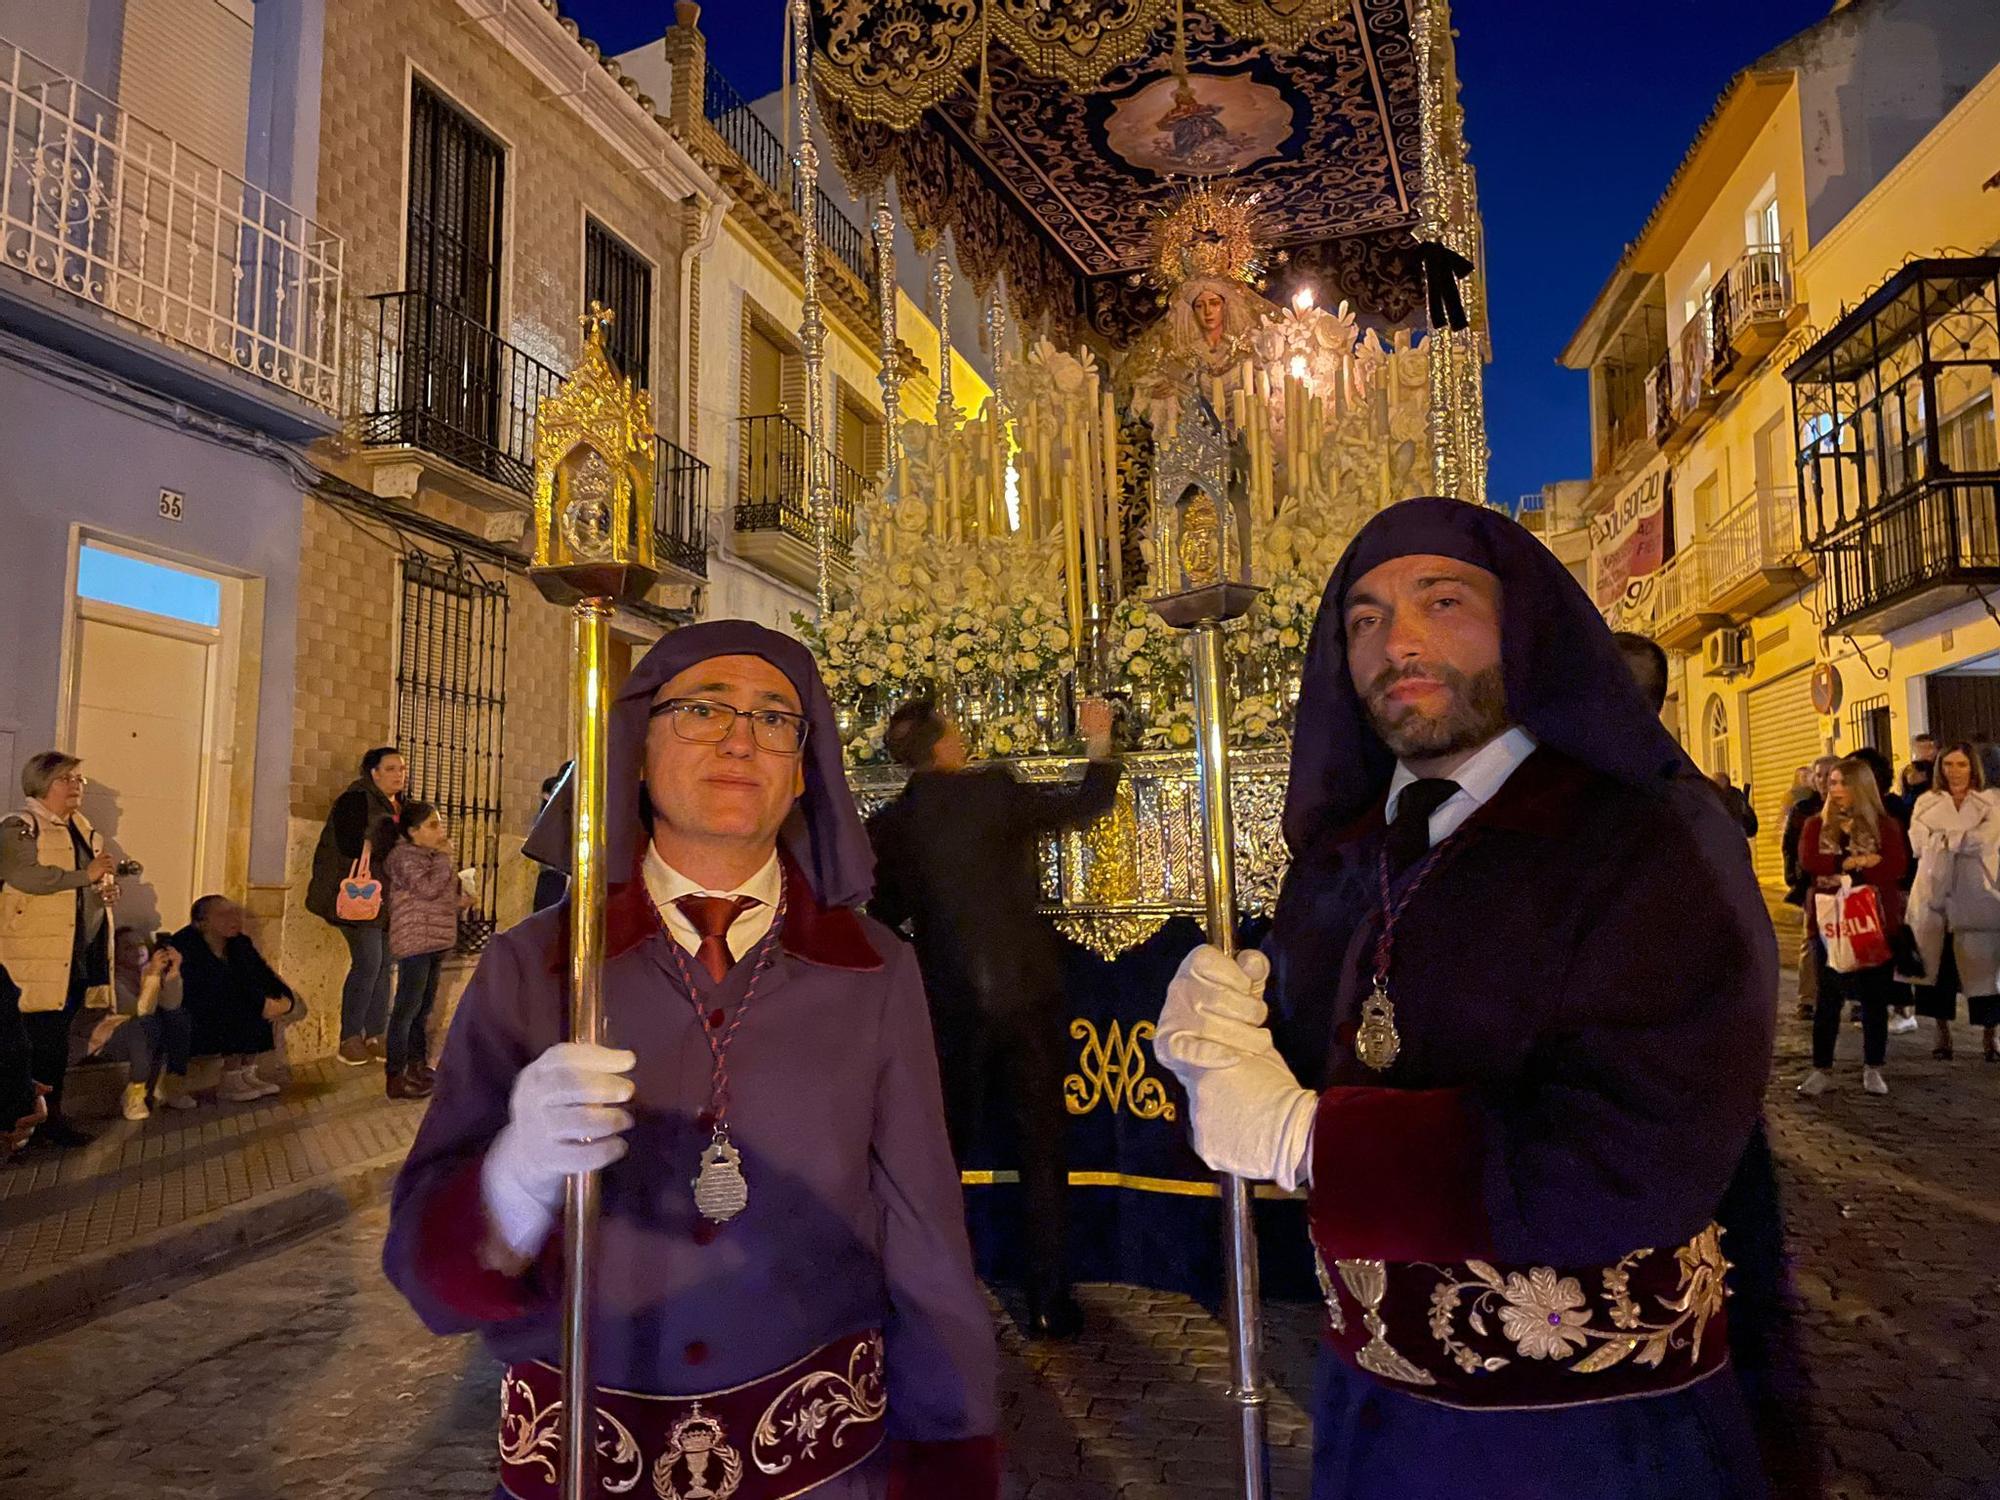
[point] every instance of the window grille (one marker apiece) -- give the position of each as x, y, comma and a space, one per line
616, 276
1868, 725
450, 702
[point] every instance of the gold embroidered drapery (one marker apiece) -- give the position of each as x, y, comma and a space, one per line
891, 62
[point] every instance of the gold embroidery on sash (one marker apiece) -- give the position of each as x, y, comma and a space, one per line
822, 1404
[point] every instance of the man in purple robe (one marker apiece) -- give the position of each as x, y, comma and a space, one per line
1524, 991
784, 1296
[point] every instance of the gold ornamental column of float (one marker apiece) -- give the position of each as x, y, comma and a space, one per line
594, 546
891, 376
1448, 215
812, 321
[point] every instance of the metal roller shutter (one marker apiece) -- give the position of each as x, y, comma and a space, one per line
1785, 734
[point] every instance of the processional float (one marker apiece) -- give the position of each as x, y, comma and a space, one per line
1167, 455
1126, 484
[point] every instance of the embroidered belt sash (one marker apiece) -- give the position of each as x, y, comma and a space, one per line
765, 1440
1479, 1335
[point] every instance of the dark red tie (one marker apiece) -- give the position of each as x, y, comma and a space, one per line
712, 917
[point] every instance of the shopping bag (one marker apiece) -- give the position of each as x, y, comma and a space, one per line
1851, 927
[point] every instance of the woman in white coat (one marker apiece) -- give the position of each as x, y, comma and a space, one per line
1955, 903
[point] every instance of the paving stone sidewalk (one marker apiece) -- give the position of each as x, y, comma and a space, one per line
152, 1200
300, 1373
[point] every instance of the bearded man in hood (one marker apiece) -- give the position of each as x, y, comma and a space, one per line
1520, 989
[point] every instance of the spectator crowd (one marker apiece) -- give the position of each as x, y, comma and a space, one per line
78, 987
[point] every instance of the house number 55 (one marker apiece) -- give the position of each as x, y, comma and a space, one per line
171, 504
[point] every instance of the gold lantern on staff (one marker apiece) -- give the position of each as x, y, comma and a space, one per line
594, 481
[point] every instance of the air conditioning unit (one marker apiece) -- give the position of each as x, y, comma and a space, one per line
1727, 652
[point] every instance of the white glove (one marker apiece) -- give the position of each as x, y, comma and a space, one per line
563, 1117
1247, 1115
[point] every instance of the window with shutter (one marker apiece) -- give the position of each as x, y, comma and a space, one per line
615, 275
456, 182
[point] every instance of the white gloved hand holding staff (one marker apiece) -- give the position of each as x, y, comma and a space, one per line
1247, 1114
564, 1116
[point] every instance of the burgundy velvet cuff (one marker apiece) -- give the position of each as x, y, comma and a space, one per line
453, 1230
965, 1469
1396, 1176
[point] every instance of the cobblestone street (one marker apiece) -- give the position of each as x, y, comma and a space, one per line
301, 1374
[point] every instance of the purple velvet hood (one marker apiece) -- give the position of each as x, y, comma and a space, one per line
824, 835
1566, 683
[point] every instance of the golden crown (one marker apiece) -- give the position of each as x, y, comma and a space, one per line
1209, 232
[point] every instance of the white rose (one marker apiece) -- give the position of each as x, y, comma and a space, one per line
1181, 733
866, 676
1288, 638
1135, 640
1141, 667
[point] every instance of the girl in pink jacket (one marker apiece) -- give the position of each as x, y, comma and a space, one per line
420, 872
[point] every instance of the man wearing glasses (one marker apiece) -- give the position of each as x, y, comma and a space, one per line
782, 1233
54, 909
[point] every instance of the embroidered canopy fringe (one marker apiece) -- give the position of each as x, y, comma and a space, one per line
891, 63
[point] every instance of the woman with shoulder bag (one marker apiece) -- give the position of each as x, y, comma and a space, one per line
1955, 904
1854, 843
346, 891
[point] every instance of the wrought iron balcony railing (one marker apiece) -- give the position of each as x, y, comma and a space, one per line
680, 510
775, 484
1760, 535
427, 376
114, 211
759, 149
1942, 531
1756, 290
1683, 585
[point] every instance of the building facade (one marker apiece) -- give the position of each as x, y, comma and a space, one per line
170, 301
746, 388
1825, 165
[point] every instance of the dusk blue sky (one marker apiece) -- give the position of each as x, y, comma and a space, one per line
1577, 112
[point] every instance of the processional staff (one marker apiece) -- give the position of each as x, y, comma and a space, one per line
594, 547
1202, 576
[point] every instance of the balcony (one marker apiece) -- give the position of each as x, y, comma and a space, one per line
439, 401
431, 380
1684, 615
680, 511
1753, 553
757, 146
237, 295
774, 521
1750, 311
1898, 461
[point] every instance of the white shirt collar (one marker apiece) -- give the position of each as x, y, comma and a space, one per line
666, 885
1479, 779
